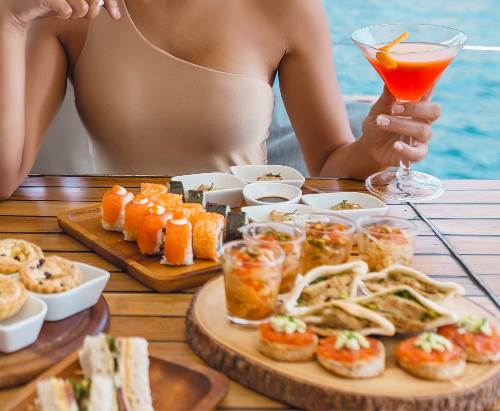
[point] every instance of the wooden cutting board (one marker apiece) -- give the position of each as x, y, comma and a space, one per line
85, 225
56, 340
233, 351
174, 386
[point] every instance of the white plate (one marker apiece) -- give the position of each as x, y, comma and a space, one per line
262, 213
65, 304
228, 188
250, 174
252, 193
22, 329
372, 206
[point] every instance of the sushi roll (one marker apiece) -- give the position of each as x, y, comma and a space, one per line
113, 206
135, 211
153, 191
170, 201
195, 196
150, 232
178, 247
207, 236
191, 210
176, 187
223, 210
235, 221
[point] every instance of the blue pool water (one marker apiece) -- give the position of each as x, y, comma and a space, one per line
466, 141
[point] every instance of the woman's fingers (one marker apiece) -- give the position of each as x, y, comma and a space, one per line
61, 8
419, 130
422, 110
80, 8
95, 8
408, 153
112, 8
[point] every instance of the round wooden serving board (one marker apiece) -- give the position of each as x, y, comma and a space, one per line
56, 341
232, 350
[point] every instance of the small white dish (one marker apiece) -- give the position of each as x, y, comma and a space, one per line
227, 188
263, 193
250, 174
65, 304
262, 213
23, 329
323, 203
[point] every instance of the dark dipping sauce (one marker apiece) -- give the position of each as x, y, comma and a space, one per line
272, 199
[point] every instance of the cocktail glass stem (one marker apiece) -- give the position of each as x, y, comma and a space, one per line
405, 171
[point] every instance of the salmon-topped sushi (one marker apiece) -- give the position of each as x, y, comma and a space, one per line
153, 191
191, 210
150, 232
207, 236
135, 211
178, 248
113, 206
171, 202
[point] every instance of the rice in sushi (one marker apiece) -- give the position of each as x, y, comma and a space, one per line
178, 246
113, 206
207, 236
150, 232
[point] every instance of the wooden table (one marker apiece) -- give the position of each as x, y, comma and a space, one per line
468, 214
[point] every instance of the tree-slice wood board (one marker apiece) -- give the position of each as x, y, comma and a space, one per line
56, 340
85, 225
175, 386
232, 350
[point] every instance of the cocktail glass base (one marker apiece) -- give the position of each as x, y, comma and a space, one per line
413, 186
245, 323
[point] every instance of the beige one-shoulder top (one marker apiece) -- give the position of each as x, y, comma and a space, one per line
148, 112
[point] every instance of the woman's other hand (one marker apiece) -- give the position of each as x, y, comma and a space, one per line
25, 11
389, 120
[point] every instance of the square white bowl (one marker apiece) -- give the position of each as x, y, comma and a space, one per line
228, 188
250, 174
65, 304
23, 329
262, 213
322, 203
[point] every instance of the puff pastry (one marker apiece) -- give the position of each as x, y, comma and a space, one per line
50, 275
14, 254
13, 295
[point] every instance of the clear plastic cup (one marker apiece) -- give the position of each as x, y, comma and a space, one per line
252, 278
329, 240
384, 241
290, 238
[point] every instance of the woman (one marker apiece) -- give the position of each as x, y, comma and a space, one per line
176, 86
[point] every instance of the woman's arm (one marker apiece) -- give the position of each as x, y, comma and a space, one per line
33, 68
317, 111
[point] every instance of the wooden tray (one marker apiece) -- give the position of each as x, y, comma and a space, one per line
55, 342
85, 225
233, 350
174, 386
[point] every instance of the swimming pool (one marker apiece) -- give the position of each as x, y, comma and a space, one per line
466, 141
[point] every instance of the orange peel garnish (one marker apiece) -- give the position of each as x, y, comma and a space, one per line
386, 59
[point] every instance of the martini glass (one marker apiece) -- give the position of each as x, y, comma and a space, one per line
410, 71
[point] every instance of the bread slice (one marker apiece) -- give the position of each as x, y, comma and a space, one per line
369, 368
95, 357
287, 352
447, 371
482, 357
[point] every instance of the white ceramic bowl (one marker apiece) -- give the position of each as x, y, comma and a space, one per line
262, 213
323, 203
22, 330
227, 188
65, 304
256, 191
250, 174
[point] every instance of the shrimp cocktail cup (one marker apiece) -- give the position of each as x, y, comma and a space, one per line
290, 238
252, 279
409, 58
329, 240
